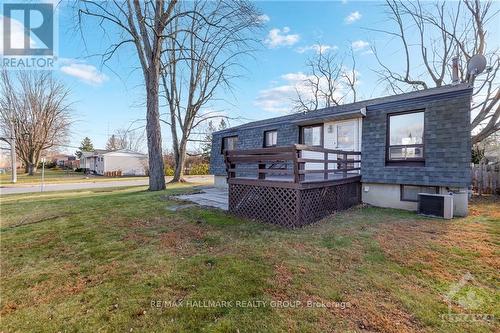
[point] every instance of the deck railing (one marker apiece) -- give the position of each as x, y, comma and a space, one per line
297, 164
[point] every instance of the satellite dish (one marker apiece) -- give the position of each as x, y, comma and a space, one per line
476, 64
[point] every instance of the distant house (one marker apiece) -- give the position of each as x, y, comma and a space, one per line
126, 161
65, 161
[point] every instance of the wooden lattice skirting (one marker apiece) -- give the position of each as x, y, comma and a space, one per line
292, 206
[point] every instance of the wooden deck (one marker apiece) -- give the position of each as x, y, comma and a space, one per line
294, 185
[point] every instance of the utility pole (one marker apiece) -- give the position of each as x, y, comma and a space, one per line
43, 175
12, 142
13, 155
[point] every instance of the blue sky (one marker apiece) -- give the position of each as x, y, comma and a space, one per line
105, 100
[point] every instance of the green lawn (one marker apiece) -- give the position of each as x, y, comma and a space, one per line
57, 176
96, 260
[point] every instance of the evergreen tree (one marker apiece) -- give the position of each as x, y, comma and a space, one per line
85, 145
206, 147
477, 154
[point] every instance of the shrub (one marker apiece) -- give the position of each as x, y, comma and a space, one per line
169, 171
48, 165
199, 169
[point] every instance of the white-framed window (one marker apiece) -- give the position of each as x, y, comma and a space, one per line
229, 143
270, 138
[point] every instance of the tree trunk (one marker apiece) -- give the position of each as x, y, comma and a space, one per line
153, 131
31, 169
180, 161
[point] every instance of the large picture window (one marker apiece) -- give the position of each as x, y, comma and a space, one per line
229, 143
405, 141
312, 135
271, 138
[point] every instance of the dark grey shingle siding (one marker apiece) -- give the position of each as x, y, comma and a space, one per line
250, 138
447, 145
447, 139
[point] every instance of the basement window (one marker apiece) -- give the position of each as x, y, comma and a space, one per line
410, 192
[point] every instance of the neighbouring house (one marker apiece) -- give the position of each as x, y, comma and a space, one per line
65, 161
5, 162
125, 161
400, 146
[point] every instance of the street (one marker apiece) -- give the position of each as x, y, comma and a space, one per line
9, 189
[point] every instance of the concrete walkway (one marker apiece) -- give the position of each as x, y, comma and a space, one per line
210, 197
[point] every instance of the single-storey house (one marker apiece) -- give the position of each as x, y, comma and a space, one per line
411, 143
126, 161
66, 161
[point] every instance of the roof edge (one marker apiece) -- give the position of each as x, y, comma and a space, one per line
369, 103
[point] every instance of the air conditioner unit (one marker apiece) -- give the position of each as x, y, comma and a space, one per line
440, 205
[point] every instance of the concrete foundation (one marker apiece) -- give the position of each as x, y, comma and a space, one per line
220, 182
385, 195
389, 196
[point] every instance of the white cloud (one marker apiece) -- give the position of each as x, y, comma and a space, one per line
359, 45
84, 72
353, 17
17, 34
294, 77
281, 37
279, 99
316, 48
263, 18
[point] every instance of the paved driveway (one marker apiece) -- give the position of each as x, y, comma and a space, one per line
6, 189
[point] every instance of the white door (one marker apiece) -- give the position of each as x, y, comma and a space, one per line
343, 135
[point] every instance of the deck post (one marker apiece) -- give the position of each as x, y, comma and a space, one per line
326, 166
262, 175
300, 166
229, 166
344, 173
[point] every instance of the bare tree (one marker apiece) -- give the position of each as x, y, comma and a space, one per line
112, 143
129, 139
328, 82
145, 24
205, 62
430, 35
34, 106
